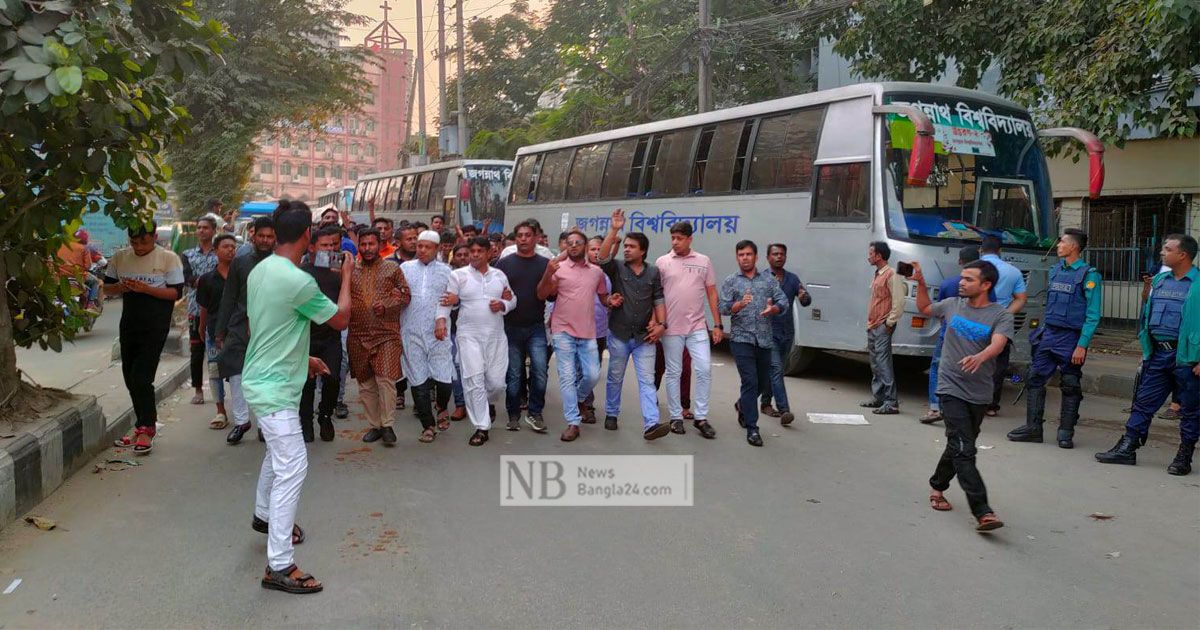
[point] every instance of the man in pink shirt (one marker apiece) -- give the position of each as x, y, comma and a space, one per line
688, 279
574, 283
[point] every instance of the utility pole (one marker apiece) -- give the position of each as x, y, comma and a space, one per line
421, 72
704, 89
462, 74
443, 112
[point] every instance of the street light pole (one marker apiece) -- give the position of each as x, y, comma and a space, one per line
462, 74
443, 112
421, 71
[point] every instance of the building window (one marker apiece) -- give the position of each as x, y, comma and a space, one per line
302, 145
370, 150
302, 171
353, 125
320, 172
284, 143
339, 148
285, 168
336, 172
354, 174
266, 168
355, 149
370, 126
320, 146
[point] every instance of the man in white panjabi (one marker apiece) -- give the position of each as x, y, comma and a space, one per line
427, 358
482, 295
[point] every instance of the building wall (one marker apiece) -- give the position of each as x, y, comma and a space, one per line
302, 164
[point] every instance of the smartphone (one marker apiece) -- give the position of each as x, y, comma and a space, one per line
328, 260
904, 269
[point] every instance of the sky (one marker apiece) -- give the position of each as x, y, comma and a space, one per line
402, 15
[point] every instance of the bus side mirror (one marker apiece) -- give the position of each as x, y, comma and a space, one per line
1095, 151
920, 159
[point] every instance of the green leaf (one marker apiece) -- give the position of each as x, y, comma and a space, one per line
36, 92
53, 47
95, 74
71, 39
141, 107
31, 35
37, 54
33, 267
28, 71
70, 78
132, 65
52, 85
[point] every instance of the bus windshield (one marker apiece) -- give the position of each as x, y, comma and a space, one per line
989, 176
481, 196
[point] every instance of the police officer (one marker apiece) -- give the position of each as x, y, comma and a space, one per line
1061, 343
1170, 336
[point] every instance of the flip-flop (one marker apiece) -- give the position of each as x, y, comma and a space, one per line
939, 503
427, 436
443, 422
988, 522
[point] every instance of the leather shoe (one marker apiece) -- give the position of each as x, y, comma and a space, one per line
705, 429
570, 434
677, 427
237, 433
1026, 433
1066, 443
389, 436
768, 410
656, 431
589, 415
326, 425
754, 438
786, 418
372, 435
610, 423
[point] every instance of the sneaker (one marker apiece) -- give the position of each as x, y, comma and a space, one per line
514, 423
535, 422
656, 431
341, 411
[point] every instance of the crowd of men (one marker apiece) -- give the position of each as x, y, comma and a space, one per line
464, 318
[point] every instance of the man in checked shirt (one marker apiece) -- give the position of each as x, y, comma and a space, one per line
750, 299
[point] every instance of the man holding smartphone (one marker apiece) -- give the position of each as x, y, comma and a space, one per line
325, 343
883, 313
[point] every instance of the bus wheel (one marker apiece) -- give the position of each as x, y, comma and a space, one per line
799, 360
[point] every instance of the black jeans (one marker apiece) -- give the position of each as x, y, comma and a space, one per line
140, 351
196, 351
998, 377
329, 351
423, 396
754, 367
962, 420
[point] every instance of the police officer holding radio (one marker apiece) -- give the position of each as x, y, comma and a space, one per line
1170, 336
1061, 342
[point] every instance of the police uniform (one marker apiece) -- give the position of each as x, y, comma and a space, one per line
1072, 313
1164, 320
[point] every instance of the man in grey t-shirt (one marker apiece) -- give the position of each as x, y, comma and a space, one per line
977, 331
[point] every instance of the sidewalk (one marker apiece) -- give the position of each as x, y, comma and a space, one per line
41, 454
1111, 366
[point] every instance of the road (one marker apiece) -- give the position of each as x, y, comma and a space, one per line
826, 526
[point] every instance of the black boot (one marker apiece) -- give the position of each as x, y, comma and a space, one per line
1035, 405
1183, 460
1125, 452
1026, 433
1072, 396
326, 424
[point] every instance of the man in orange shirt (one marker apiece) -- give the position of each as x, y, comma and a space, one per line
883, 312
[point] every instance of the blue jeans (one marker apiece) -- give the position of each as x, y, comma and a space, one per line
697, 345
1160, 375
754, 369
777, 390
570, 388
934, 403
619, 352
526, 341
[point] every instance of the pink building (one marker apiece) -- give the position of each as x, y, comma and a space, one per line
303, 164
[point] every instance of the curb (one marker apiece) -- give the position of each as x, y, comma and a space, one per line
35, 464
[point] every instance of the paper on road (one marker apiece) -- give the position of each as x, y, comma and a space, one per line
837, 418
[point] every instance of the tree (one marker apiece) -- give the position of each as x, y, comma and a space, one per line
1105, 65
285, 73
87, 109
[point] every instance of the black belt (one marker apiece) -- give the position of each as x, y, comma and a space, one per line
1167, 346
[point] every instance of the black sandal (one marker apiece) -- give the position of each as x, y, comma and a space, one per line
478, 438
263, 527
287, 582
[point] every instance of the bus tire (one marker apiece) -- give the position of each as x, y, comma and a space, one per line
799, 360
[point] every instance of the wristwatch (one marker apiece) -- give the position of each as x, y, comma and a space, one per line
719, 326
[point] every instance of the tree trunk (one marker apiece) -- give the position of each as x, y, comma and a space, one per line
8, 351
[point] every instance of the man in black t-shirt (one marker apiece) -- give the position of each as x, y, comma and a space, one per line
526, 330
325, 343
210, 287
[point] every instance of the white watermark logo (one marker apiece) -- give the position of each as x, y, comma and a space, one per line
595, 480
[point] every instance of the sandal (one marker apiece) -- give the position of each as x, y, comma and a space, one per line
143, 443
688, 415
427, 435
198, 399
479, 438
459, 414
219, 422
291, 580
263, 527
443, 421
988, 522
939, 503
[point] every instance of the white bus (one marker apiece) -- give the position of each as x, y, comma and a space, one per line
463, 192
340, 197
925, 168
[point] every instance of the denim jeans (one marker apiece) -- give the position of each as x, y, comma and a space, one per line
777, 391
571, 389
934, 403
701, 353
883, 374
619, 351
526, 341
754, 368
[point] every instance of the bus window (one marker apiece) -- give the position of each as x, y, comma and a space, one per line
360, 198
422, 200
720, 170
389, 191
671, 168
843, 193
616, 170
406, 192
553, 178
522, 185
635, 168
410, 200
586, 172
784, 151
696, 181
738, 182
437, 189
651, 161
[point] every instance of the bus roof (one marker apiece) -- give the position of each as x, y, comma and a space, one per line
436, 166
859, 90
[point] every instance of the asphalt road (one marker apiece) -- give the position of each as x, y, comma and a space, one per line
826, 526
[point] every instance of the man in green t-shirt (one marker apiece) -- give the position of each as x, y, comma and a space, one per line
281, 303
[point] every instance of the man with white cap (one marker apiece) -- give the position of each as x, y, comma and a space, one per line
482, 295
427, 357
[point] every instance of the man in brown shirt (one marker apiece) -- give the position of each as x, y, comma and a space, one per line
378, 293
883, 311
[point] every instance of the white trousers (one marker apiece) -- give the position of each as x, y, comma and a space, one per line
697, 345
479, 391
279, 483
237, 401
